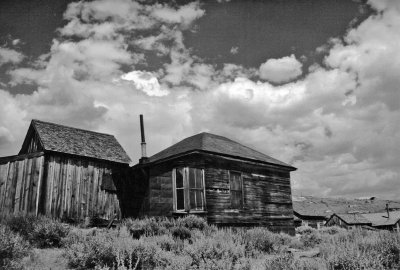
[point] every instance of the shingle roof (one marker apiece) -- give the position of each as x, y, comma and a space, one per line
216, 144
79, 142
352, 219
381, 219
312, 209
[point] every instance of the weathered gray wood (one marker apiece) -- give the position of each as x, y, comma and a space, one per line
39, 187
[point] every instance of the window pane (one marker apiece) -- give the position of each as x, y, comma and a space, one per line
199, 199
236, 199
192, 195
192, 178
180, 201
235, 181
179, 178
196, 199
199, 178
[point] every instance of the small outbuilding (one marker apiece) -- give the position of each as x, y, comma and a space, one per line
222, 180
349, 221
63, 172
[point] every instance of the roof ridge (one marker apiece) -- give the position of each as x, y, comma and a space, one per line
81, 129
209, 142
252, 149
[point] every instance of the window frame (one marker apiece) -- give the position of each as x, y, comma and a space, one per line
186, 191
230, 191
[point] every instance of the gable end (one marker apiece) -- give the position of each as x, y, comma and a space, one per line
32, 142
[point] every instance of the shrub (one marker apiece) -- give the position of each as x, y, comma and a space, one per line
87, 251
12, 249
23, 225
147, 226
39, 231
48, 233
305, 230
192, 222
288, 262
260, 239
181, 233
220, 251
362, 250
311, 239
332, 230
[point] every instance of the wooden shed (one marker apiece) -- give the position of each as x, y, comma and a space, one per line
212, 176
63, 172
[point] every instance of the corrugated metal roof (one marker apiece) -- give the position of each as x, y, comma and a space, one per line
216, 144
64, 139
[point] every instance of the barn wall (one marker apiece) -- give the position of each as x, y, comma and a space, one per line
20, 182
72, 189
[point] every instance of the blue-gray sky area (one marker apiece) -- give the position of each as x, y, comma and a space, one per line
313, 83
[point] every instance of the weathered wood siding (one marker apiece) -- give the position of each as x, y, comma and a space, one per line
158, 199
20, 182
72, 189
266, 192
59, 186
313, 222
335, 221
267, 200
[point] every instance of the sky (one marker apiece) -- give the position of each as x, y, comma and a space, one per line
314, 83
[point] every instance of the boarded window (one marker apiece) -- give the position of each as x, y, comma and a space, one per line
189, 189
108, 183
235, 181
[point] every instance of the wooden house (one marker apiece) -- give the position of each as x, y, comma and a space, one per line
389, 220
382, 220
312, 213
348, 221
63, 172
224, 181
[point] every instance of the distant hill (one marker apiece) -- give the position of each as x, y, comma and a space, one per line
314, 206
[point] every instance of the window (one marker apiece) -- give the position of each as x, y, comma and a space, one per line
188, 189
236, 189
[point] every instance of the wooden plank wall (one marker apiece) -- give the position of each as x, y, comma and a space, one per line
267, 200
73, 190
158, 200
20, 180
266, 190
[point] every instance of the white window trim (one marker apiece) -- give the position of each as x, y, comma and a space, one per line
186, 191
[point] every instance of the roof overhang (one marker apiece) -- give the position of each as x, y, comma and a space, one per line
219, 155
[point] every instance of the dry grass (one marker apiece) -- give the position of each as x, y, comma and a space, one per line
190, 243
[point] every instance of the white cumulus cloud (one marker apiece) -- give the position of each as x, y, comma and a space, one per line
146, 82
281, 70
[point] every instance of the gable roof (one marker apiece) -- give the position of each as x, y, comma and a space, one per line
381, 219
353, 219
208, 142
69, 140
313, 210
373, 219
